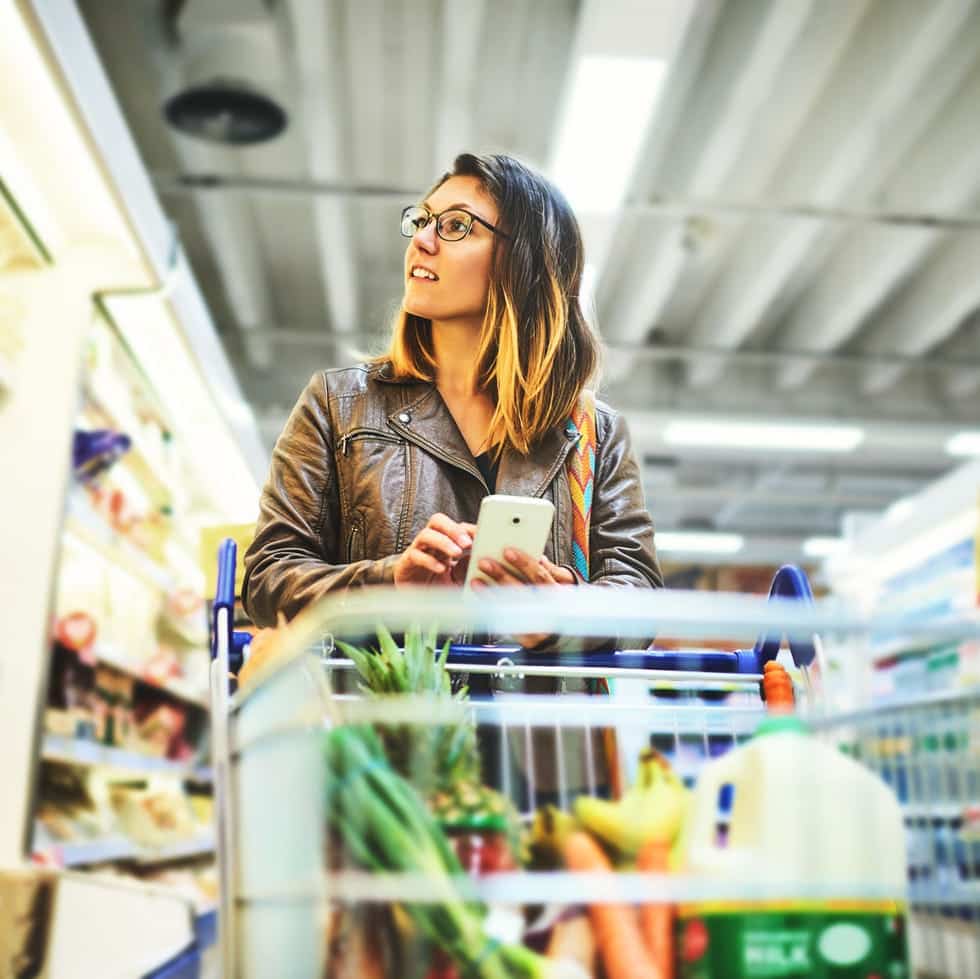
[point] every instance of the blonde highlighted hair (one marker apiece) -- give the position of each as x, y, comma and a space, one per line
537, 351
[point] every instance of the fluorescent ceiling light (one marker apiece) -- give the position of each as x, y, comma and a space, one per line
603, 126
964, 444
763, 435
823, 546
701, 542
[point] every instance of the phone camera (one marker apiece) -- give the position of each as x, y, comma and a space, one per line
515, 520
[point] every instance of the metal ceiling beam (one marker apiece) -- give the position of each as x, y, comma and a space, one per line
735, 84
311, 336
942, 172
927, 310
963, 383
314, 33
662, 204
899, 46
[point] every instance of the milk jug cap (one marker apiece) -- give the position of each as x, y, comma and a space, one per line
782, 724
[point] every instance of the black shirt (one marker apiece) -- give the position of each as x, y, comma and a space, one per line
488, 467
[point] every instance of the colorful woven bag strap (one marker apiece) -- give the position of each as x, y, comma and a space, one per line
581, 468
581, 472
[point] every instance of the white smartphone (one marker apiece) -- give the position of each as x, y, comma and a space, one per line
522, 522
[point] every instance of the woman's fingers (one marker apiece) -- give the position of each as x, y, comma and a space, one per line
460, 534
531, 570
420, 559
438, 543
499, 574
560, 575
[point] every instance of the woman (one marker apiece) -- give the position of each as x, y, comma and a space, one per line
379, 473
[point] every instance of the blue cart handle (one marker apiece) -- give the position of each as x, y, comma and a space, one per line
789, 582
224, 594
224, 600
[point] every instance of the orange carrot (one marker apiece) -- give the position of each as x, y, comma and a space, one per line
657, 920
616, 927
777, 688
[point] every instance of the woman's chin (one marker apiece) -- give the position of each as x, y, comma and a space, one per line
423, 310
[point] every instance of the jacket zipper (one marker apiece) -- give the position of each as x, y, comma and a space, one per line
366, 433
350, 543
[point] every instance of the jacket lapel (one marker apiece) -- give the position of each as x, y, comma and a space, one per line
425, 421
531, 475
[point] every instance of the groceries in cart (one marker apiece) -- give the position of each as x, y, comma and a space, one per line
409, 798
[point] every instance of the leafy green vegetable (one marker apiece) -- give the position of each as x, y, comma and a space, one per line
386, 827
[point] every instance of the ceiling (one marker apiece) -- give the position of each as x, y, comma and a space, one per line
799, 239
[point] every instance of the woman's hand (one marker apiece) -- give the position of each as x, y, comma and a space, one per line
523, 570
438, 555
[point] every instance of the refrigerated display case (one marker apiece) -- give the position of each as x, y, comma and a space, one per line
106, 840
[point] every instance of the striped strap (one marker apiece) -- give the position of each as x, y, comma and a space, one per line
581, 470
581, 466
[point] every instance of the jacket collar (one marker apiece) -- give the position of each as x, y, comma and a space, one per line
424, 420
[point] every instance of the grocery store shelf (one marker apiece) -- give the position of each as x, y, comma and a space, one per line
947, 893
963, 625
932, 811
107, 657
82, 521
195, 847
118, 847
81, 752
206, 927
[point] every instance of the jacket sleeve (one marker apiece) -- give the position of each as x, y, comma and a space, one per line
621, 548
292, 561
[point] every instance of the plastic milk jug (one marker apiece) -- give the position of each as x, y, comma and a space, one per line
807, 849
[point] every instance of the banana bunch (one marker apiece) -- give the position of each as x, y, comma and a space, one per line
551, 827
654, 808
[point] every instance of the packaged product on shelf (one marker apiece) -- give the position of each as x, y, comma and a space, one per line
152, 817
71, 698
94, 452
68, 810
159, 727
113, 707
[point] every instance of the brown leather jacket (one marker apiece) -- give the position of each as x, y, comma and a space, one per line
363, 463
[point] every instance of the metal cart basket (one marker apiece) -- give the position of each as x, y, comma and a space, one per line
280, 882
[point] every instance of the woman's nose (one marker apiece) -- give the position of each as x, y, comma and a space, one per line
427, 239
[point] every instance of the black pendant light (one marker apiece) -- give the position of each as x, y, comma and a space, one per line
226, 112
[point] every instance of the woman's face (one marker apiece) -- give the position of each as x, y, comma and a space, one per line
462, 268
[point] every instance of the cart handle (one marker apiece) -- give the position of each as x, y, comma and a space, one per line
789, 582
224, 601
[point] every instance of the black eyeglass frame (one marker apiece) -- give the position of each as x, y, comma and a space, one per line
437, 219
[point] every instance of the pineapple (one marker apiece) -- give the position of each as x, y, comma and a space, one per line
441, 760
435, 757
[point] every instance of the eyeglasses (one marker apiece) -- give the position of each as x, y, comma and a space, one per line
451, 225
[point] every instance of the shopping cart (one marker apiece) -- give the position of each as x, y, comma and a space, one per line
279, 879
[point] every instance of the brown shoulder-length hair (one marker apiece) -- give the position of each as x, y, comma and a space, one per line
537, 351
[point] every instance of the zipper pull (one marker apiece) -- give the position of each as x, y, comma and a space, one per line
343, 444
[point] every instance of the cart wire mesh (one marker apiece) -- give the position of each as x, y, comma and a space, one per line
272, 839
